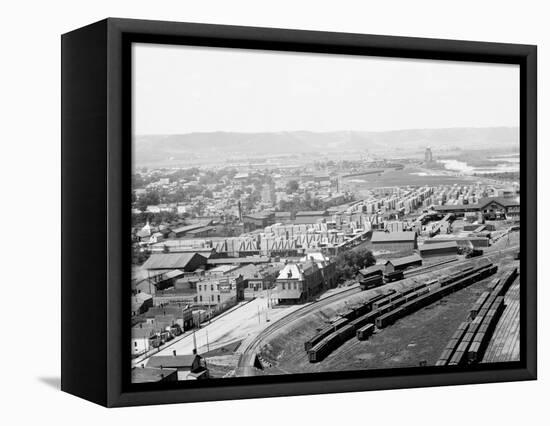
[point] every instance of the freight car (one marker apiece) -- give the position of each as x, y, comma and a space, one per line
393, 276
371, 282
326, 331
365, 332
423, 300
485, 331
478, 304
385, 300
329, 343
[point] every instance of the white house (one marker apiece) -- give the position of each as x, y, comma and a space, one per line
141, 335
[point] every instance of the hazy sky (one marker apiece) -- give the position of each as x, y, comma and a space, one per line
180, 89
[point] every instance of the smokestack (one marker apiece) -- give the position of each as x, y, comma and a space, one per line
174, 352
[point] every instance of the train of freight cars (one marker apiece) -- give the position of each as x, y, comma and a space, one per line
385, 309
378, 278
469, 342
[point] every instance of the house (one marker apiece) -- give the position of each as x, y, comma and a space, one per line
141, 302
179, 314
446, 248
219, 290
188, 367
177, 296
257, 278
299, 282
394, 241
141, 338
151, 374
328, 268
221, 270
402, 263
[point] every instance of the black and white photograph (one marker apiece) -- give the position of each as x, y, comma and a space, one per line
298, 213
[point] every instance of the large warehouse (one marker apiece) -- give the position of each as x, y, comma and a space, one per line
394, 241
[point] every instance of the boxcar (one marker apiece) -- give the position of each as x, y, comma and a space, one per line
371, 282
364, 332
394, 276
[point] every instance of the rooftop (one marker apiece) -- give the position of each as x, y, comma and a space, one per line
187, 228
169, 260
312, 213
378, 237
148, 374
405, 260
238, 260
172, 361
438, 245
291, 271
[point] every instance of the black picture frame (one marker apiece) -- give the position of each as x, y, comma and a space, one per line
96, 159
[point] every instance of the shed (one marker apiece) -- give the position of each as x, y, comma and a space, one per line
446, 248
403, 263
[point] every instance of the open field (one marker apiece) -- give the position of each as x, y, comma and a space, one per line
413, 176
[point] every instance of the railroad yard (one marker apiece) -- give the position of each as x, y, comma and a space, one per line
416, 339
273, 341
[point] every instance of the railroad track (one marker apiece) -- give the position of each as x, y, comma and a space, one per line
249, 349
246, 362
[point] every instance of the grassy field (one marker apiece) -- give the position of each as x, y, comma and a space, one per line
409, 176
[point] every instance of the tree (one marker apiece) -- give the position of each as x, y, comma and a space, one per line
350, 262
150, 198
292, 186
